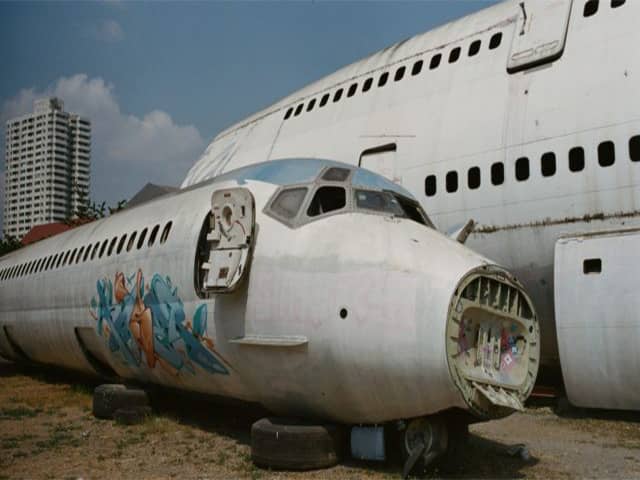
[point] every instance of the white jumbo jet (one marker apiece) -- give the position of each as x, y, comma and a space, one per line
315, 288
525, 118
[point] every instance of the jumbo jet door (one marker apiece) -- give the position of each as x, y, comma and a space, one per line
229, 239
541, 33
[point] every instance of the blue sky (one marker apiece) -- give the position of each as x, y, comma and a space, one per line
160, 79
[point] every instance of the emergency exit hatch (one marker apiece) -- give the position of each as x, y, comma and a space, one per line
228, 239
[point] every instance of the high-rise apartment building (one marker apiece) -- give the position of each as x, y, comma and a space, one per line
47, 166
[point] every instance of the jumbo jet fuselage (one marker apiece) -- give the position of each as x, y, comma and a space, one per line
524, 117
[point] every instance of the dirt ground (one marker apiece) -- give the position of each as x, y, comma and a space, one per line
47, 431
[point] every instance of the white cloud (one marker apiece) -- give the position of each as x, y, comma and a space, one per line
109, 31
126, 151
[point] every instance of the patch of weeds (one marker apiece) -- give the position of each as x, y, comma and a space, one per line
222, 458
100, 458
256, 473
9, 443
19, 454
60, 436
17, 413
129, 441
82, 389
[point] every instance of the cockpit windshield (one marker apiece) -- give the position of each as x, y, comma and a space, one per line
313, 188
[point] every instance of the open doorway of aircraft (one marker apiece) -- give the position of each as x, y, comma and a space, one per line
315, 288
524, 117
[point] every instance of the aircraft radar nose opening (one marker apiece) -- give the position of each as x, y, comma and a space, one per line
492, 342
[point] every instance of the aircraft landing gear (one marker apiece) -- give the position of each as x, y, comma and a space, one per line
434, 441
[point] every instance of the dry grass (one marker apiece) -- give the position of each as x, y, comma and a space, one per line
47, 431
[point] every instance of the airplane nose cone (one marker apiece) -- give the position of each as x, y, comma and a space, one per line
492, 342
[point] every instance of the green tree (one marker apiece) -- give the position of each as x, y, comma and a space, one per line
9, 244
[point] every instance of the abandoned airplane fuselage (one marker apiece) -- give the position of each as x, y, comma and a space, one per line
522, 117
311, 287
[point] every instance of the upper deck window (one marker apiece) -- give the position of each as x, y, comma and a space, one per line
324, 100
495, 41
454, 55
576, 159
383, 79
548, 164
474, 48
497, 173
352, 90
298, 110
591, 8
312, 104
435, 61
366, 86
522, 169
634, 148
417, 67
399, 74
617, 3
337, 95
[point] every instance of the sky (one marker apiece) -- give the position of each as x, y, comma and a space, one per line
159, 80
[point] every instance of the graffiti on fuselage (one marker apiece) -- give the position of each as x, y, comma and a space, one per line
145, 324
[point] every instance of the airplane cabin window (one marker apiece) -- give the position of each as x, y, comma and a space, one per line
435, 61
143, 234
327, 199
336, 174
165, 232
288, 202
312, 104
473, 178
592, 265
576, 159
399, 74
606, 154
324, 100
112, 246
121, 243
634, 148
73, 256
417, 67
104, 247
474, 48
132, 241
548, 164
522, 169
495, 41
454, 55
60, 256
378, 202
383, 79
79, 257
86, 253
617, 3
366, 86
452, 181
352, 90
154, 232
298, 109
66, 257
591, 8
430, 186
288, 114
337, 95
497, 173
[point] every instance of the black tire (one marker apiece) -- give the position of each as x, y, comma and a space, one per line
290, 444
132, 415
109, 398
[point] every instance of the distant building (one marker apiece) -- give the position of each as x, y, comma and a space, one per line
47, 165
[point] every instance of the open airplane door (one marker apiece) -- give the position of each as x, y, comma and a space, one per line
229, 239
541, 33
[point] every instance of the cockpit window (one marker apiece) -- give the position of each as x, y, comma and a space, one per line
383, 202
288, 202
327, 199
336, 174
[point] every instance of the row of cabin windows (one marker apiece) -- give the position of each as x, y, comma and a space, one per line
548, 167
591, 6
89, 252
436, 60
